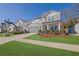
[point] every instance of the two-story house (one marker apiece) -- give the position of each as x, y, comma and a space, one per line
50, 21
2, 27
22, 25
7, 26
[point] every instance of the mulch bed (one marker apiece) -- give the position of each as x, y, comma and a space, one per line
52, 35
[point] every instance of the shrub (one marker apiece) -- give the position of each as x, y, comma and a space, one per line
6, 34
47, 31
18, 32
56, 32
40, 31
50, 31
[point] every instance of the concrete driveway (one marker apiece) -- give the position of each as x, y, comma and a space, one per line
12, 38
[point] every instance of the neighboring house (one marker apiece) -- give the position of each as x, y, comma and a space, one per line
76, 27
49, 21
22, 24
12, 27
3, 27
7, 26
0, 28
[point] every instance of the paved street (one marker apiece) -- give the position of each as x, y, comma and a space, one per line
16, 37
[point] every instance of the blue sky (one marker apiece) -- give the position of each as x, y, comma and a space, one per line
28, 10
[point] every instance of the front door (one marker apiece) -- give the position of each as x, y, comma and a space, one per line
54, 28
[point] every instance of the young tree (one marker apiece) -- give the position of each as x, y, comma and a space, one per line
70, 15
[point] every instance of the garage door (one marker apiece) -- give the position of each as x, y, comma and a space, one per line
34, 29
77, 28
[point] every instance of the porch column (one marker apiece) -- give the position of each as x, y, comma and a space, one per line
59, 27
41, 27
48, 27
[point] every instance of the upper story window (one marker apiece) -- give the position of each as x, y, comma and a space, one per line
51, 18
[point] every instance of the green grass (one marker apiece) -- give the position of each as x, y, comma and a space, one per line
9, 34
22, 49
67, 39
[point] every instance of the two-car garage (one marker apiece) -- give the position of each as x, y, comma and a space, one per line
34, 27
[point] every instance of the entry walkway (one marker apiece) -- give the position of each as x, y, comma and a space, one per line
70, 47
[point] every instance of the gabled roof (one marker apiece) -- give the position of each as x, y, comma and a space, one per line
11, 23
49, 12
3, 23
8, 23
22, 20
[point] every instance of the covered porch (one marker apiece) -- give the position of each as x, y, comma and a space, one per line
53, 26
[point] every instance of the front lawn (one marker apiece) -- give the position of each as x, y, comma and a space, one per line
69, 39
22, 49
6, 34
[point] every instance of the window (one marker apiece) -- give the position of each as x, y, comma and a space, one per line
51, 18
40, 19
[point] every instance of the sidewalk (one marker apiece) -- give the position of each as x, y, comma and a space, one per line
70, 47
75, 34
